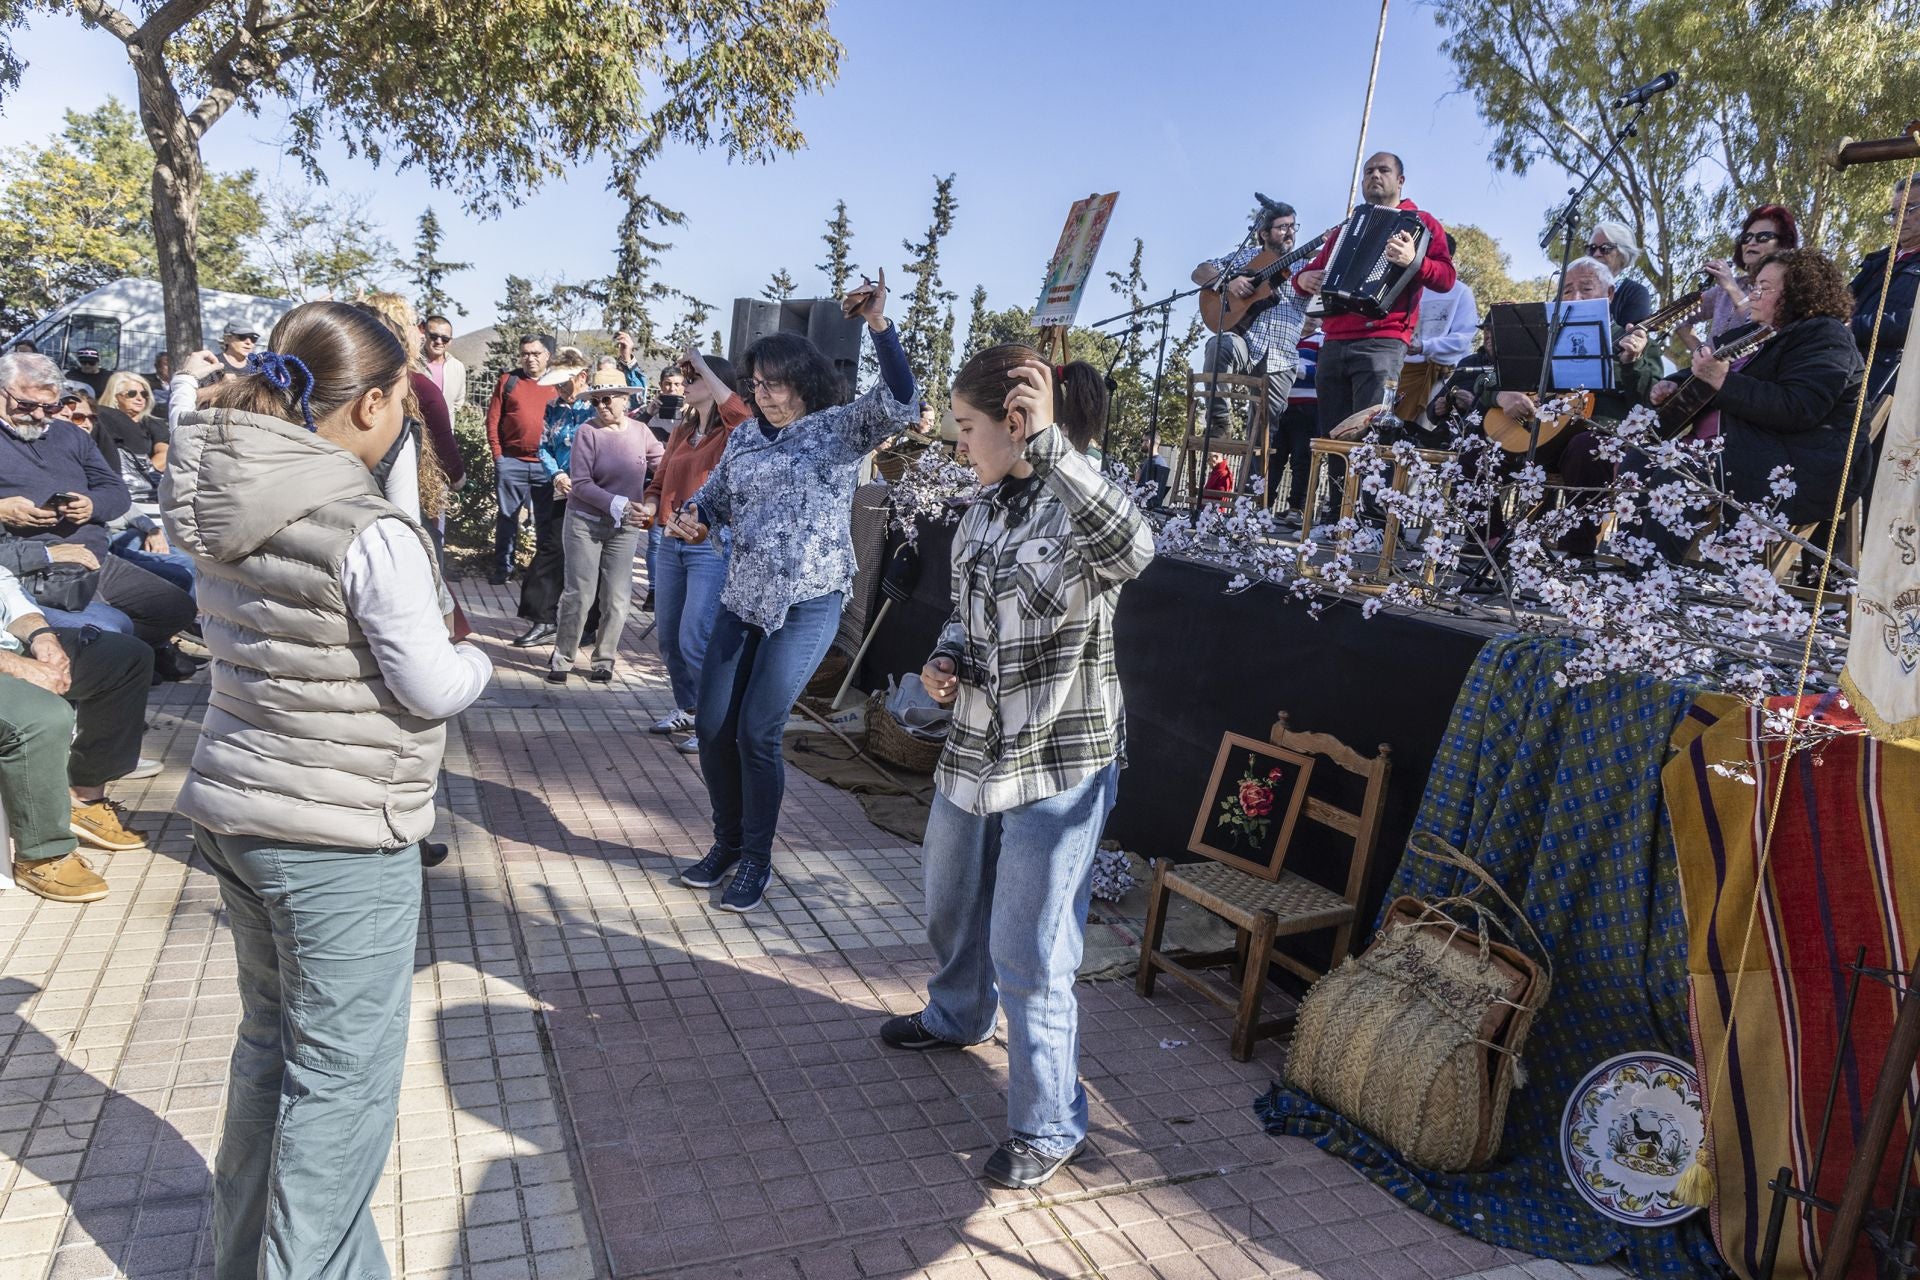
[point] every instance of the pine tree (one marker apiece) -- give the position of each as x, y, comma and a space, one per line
631, 288
1130, 372
520, 313
780, 287
942, 360
920, 332
686, 333
839, 263
427, 269
717, 341
978, 338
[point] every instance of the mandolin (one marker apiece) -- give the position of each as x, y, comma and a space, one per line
1663, 320
1692, 398
1224, 313
1513, 434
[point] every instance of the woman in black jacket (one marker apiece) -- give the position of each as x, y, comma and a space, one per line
1791, 403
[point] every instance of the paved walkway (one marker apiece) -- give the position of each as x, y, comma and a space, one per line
607, 1076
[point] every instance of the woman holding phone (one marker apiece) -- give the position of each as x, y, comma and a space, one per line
686, 577
1032, 763
784, 489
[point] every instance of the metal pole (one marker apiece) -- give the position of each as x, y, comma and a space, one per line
1366, 111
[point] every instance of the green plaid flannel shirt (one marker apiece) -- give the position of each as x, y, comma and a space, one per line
1039, 707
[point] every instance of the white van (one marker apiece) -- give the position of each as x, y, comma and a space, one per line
126, 322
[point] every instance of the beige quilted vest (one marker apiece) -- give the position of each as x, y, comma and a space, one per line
302, 741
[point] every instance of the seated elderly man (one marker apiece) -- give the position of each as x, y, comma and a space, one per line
72, 707
57, 496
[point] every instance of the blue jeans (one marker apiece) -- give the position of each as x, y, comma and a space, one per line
747, 690
513, 483
686, 580
98, 613
324, 938
175, 566
1007, 918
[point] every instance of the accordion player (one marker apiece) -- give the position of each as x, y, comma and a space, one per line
1359, 278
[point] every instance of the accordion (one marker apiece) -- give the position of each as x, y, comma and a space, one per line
1359, 278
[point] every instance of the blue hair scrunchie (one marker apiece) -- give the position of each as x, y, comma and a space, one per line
278, 370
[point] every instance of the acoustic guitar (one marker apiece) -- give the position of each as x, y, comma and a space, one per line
1692, 398
1513, 434
1224, 313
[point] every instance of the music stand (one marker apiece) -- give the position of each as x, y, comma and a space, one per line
1517, 337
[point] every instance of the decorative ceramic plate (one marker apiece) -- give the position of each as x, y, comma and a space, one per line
1629, 1132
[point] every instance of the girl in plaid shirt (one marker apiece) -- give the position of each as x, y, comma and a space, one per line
1032, 764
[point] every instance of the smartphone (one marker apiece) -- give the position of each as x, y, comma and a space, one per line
60, 500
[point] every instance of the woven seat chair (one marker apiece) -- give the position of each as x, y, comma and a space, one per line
1264, 911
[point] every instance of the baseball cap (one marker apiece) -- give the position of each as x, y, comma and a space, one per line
240, 331
87, 353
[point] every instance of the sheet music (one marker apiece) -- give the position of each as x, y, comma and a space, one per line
1583, 355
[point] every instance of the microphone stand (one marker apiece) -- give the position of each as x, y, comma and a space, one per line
1165, 307
1567, 224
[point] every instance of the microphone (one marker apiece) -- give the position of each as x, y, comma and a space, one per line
1638, 97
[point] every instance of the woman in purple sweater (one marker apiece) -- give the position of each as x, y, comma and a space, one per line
611, 458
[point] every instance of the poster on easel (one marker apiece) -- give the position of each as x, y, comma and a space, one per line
1072, 260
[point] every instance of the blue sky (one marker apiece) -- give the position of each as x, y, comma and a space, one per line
1185, 107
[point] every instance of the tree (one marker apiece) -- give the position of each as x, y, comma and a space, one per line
426, 269
1132, 391
1485, 268
76, 214
631, 287
319, 248
839, 263
1749, 125
977, 323
570, 303
919, 333
780, 288
518, 313
686, 333
487, 107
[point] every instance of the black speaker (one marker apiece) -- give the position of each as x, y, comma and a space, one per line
753, 319
837, 337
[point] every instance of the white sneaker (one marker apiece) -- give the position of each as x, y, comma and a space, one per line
690, 744
675, 721
146, 768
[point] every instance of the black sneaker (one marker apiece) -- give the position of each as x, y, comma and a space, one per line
706, 873
497, 578
538, 633
601, 675
432, 853
748, 888
907, 1031
646, 606
558, 676
1018, 1167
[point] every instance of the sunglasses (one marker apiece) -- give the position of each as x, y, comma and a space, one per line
1756, 237
1597, 249
134, 392
244, 337
33, 406
439, 337
597, 401
81, 417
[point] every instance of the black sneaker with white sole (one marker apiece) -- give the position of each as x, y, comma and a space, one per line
907, 1031
706, 873
1019, 1167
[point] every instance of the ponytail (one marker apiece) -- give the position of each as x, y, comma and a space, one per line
1079, 390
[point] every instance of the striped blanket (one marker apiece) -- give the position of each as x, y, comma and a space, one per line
1556, 792
1843, 874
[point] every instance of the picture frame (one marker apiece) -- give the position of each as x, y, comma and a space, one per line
1253, 799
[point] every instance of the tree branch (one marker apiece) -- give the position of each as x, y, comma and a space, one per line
167, 20
103, 15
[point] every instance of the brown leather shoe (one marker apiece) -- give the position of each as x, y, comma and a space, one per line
63, 879
99, 825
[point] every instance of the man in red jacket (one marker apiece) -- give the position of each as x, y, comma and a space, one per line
1361, 355
516, 419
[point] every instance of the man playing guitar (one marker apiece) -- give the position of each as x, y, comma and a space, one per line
1269, 341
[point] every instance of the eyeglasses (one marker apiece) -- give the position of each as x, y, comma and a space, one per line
134, 391
31, 407
243, 337
753, 386
1597, 249
439, 337
598, 401
1761, 288
1756, 237
81, 417
1912, 212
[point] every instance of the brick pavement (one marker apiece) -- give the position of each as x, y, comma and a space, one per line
609, 1077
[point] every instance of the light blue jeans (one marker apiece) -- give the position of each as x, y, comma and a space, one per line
686, 580
325, 939
1007, 916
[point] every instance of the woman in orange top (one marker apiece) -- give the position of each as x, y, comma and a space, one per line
686, 577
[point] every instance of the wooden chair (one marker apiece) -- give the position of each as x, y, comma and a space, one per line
1264, 911
1245, 395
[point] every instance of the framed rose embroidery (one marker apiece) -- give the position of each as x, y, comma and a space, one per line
1252, 802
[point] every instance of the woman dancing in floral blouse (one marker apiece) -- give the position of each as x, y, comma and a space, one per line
784, 487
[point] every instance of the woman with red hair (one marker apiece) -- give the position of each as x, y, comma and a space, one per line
1768, 230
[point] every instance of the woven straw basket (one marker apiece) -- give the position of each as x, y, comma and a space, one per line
1418, 1039
890, 743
